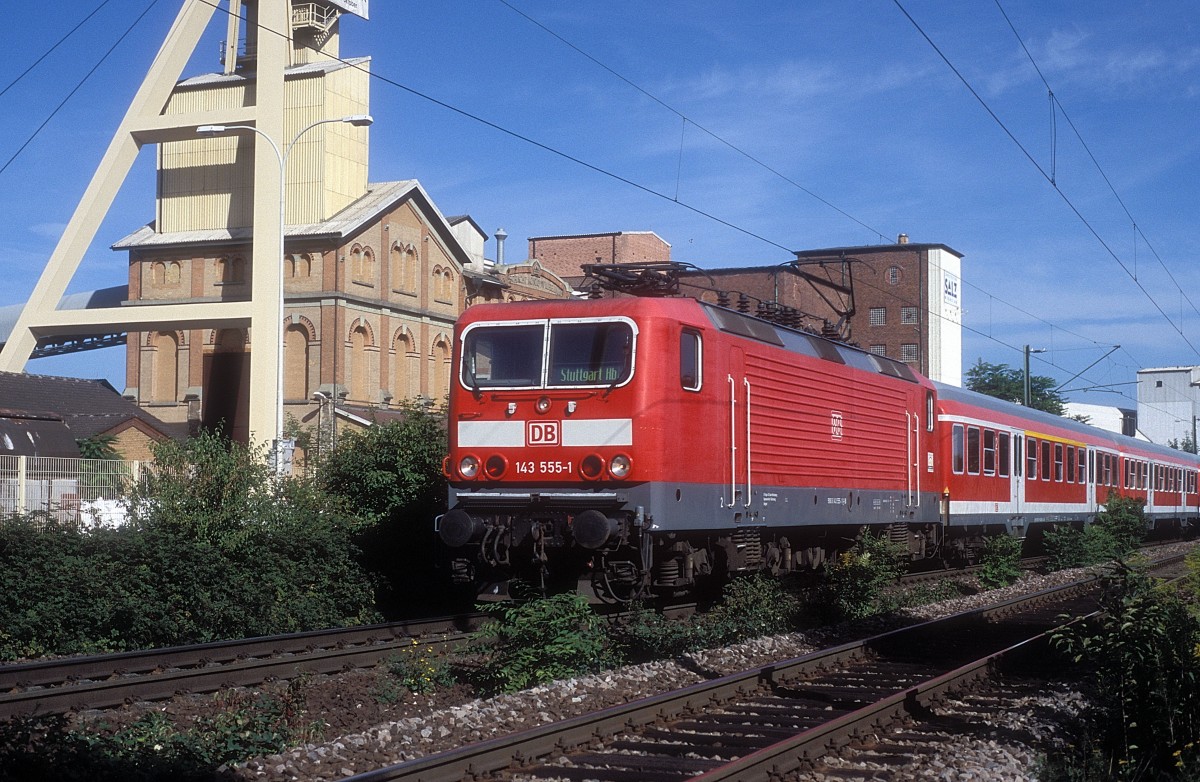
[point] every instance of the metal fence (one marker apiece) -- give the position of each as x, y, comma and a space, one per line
62, 488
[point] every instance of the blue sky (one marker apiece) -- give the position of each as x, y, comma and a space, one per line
865, 132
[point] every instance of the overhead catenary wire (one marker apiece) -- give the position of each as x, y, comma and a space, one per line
1056, 103
1048, 177
605, 172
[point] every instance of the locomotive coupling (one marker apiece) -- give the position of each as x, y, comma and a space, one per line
592, 529
459, 528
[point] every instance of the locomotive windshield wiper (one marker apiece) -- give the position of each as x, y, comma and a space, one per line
626, 359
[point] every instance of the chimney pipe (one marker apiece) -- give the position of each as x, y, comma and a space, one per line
500, 237
902, 239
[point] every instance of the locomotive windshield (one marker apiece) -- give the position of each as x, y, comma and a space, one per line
548, 354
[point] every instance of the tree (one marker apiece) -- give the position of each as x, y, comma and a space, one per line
391, 474
1186, 444
1004, 382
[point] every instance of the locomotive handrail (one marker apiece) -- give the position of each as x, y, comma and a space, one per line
749, 494
732, 441
908, 456
917, 455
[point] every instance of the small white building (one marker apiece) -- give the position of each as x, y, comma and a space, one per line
1120, 420
1168, 403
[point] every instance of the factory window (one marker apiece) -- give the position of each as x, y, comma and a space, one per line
878, 316
879, 350
989, 452
972, 450
893, 275
1003, 454
690, 361
956, 448
908, 353
908, 315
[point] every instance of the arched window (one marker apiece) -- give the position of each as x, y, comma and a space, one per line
368, 264
295, 362
406, 373
359, 340
231, 270
439, 370
158, 273
174, 273
165, 387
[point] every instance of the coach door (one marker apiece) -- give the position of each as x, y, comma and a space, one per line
1016, 472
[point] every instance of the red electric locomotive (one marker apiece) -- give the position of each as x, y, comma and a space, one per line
634, 446
644, 443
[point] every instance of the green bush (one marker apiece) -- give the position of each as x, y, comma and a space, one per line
539, 641
391, 474
1141, 653
1001, 561
750, 607
1068, 547
419, 669
215, 548
1125, 519
854, 583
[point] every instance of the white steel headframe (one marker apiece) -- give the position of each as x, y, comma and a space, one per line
145, 123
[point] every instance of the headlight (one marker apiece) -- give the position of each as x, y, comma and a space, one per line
495, 466
543, 404
468, 467
619, 466
592, 466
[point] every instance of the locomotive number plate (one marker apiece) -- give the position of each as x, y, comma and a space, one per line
543, 468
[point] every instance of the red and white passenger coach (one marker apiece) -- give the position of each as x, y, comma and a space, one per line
638, 445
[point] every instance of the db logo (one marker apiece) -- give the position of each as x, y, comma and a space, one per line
541, 433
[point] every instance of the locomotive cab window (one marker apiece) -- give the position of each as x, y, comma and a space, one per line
503, 356
690, 361
548, 354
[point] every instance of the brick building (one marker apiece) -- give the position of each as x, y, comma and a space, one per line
565, 255
900, 300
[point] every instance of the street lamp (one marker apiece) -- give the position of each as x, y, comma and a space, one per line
1028, 350
357, 120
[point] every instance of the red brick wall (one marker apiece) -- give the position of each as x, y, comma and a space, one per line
565, 255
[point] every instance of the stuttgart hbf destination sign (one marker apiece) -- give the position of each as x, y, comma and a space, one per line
356, 7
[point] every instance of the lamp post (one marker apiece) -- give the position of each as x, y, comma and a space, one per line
357, 120
1029, 350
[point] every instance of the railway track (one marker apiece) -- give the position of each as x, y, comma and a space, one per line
104, 681
773, 722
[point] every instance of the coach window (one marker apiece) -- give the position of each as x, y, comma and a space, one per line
1003, 454
690, 361
1058, 462
1080, 463
1018, 455
956, 448
1046, 465
989, 452
1070, 464
972, 450
1031, 459
1091, 466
